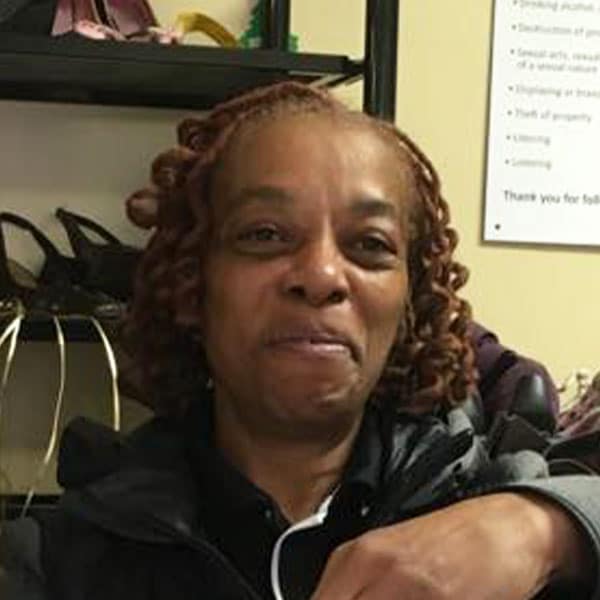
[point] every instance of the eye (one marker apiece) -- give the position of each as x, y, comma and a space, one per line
263, 233
263, 240
374, 251
375, 244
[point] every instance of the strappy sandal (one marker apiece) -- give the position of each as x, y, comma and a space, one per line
69, 12
102, 19
56, 290
129, 17
133, 20
108, 266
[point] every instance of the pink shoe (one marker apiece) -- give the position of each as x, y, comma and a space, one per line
96, 31
128, 16
68, 12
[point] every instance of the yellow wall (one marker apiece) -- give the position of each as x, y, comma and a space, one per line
540, 300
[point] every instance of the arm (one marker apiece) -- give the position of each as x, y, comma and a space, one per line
573, 502
503, 546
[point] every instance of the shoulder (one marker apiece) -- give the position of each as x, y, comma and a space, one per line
21, 575
90, 451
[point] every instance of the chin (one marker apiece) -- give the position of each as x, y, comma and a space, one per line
322, 406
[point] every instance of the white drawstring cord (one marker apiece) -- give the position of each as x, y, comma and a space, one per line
60, 339
11, 333
114, 374
10, 328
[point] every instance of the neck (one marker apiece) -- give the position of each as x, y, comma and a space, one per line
297, 473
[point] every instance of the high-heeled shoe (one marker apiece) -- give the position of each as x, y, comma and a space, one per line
119, 19
108, 266
69, 12
56, 290
129, 17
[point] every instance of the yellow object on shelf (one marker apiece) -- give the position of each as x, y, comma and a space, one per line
188, 22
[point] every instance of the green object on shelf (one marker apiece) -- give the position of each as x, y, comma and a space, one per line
252, 36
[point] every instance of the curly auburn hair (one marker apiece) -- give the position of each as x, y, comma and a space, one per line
431, 362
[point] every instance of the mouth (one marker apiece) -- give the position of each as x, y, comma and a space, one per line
317, 342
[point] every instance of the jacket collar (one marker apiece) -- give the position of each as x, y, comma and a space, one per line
146, 486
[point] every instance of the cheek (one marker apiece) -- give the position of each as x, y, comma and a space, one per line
225, 327
387, 305
233, 304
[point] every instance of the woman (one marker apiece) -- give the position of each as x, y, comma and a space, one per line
297, 323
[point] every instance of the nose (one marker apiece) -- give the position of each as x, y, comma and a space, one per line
317, 274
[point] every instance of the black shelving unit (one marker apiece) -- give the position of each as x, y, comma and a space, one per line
41, 329
75, 69
41, 505
78, 70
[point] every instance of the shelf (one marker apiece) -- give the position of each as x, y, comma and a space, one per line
10, 505
79, 70
40, 329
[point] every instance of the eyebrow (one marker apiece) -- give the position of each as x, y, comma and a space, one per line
374, 207
262, 193
362, 207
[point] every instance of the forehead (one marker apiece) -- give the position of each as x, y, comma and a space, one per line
303, 150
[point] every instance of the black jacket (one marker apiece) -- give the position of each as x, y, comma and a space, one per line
130, 524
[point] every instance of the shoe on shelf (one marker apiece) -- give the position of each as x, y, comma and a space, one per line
56, 291
129, 17
108, 266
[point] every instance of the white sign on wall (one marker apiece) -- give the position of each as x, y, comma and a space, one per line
543, 154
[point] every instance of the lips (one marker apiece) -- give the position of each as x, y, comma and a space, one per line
319, 339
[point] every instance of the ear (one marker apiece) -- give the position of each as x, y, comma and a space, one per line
187, 294
188, 307
188, 312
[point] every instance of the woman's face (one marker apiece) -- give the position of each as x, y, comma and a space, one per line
306, 276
